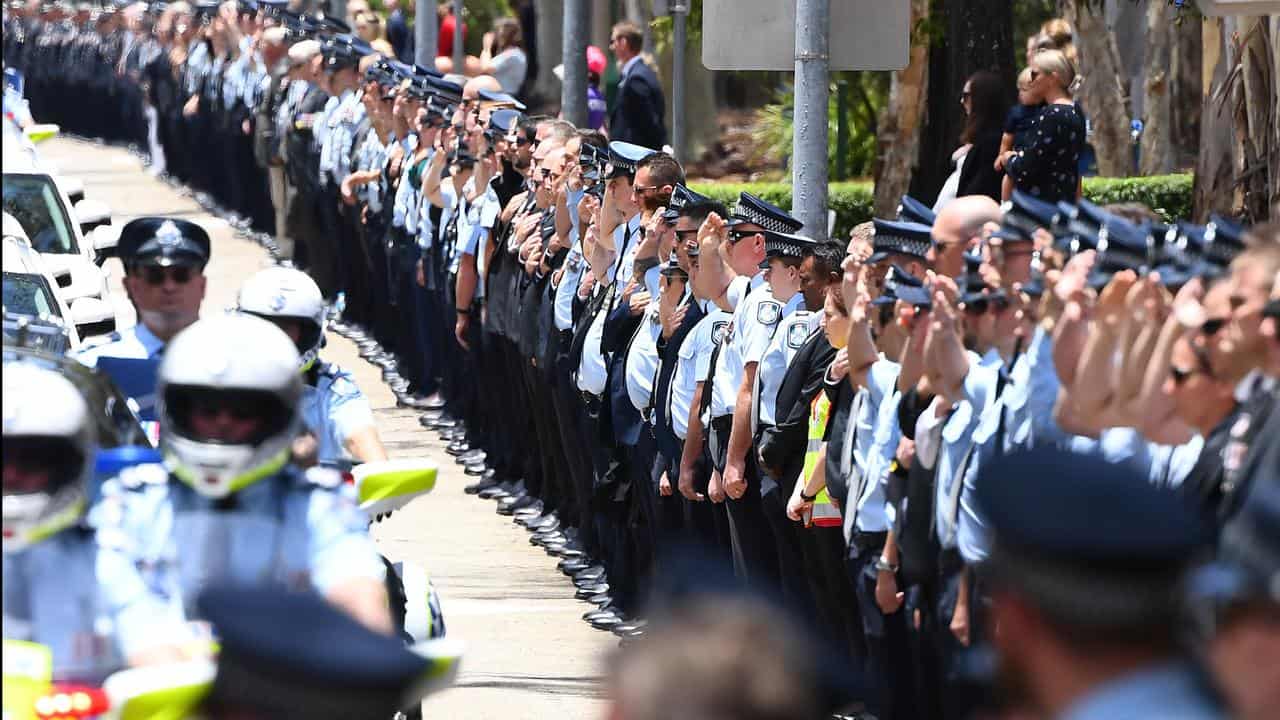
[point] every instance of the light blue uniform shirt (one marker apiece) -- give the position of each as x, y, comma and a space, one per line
752, 313
135, 343
695, 363
465, 244
1170, 691
786, 338
401, 203
567, 290
322, 132
957, 442
52, 596
875, 441
593, 369
298, 528
484, 213
333, 410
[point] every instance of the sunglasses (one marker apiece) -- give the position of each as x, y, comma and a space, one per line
155, 275
736, 235
645, 188
1213, 326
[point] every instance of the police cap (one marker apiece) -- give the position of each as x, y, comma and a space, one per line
753, 210
624, 157
682, 201
899, 238
296, 654
163, 241
490, 98
449, 91
1121, 245
1092, 543
1223, 240
671, 268
785, 245
912, 210
902, 285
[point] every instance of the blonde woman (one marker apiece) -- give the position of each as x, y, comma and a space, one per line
1049, 166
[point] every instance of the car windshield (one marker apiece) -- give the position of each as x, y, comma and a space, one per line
29, 295
33, 201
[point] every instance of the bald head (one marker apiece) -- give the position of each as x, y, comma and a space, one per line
471, 91
958, 228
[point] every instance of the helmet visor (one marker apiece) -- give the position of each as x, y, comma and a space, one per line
228, 416
303, 331
39, 464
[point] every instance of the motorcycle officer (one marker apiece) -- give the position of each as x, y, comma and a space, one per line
334, 410
50, 594
226, 506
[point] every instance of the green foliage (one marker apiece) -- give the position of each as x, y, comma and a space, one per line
867, 94
1168, 195
854, 202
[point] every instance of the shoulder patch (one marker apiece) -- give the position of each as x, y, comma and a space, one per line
797, 334
768, 312
718, 331
322, 476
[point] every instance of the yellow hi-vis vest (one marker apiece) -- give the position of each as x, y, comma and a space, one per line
824, 514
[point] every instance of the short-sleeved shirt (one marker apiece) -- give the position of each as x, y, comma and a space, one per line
641, 365
53, 597
333, 410
509, 68
1019, 121
695, 363
567, 290
786, 339
871, 440
745, 342
301, 529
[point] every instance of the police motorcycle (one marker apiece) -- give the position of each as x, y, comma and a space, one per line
332, 406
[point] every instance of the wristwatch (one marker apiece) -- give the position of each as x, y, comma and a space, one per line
808, 498
883, 565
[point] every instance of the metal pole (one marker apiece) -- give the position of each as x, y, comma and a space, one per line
573, 93
425, 38
842, 130
809, 147
680, 38
459, 53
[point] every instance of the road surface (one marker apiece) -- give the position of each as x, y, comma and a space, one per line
529, 654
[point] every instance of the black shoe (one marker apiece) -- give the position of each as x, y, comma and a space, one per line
453, 432
626, 629
602, 600
603, 611
585, 593
554, 549
593, 571
482, 484
476, 469
433, 402
471, 457
605, 622
572, 566
489, 474
551, 538
522, 501
545, 524
417, 402
457, 448
502, 490
572, 552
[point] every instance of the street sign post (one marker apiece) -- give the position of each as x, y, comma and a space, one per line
760, 34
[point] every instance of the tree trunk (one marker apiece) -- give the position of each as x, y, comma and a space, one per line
1214, 184
898, 128
1185, 91
1102, 95
550, 24
1157, 145
979, 36
1256, 118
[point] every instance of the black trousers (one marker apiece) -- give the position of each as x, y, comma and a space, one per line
887, 664
754, 554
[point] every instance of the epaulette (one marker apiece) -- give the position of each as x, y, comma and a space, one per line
323, 477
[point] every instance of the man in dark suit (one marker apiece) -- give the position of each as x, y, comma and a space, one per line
399, 32
639, 107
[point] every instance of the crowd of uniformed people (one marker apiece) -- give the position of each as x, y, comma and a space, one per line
1034, 418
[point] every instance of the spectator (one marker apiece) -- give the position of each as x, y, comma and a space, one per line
369, 28
986, 104
637, 114
1016, 125
399, 33
597, 107
448, 27
1049, 168
503, 56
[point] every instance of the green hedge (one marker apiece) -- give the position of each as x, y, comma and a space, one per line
1169, 195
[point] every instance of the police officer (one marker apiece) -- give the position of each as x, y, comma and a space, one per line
51, 593
334, 410
227, 507
164, 259
1084, 573
273, 664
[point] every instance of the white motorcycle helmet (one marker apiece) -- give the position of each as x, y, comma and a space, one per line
282, 293
227, 398
49, 442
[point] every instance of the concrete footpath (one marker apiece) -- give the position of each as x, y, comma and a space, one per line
529, 654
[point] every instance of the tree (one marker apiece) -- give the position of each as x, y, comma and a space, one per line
1102, 95
977, 35
1157, 133
898, 131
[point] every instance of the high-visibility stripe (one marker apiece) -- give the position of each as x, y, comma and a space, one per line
824, 514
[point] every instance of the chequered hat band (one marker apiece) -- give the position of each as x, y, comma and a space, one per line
746, 213
900, 244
